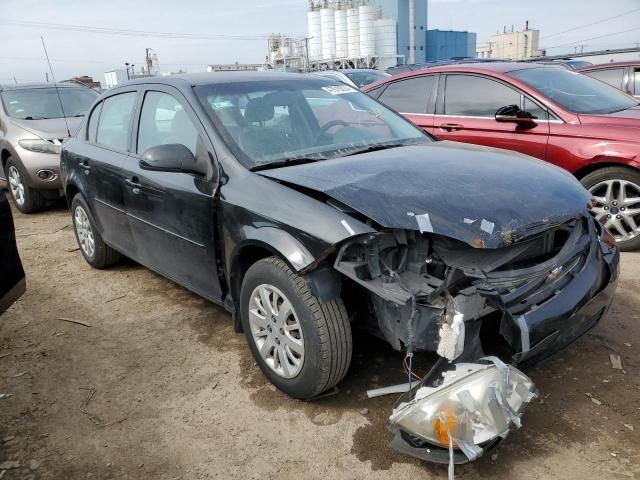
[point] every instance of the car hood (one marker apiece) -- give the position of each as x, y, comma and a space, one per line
482, 196
51, 128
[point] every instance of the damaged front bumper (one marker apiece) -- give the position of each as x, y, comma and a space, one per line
518, 304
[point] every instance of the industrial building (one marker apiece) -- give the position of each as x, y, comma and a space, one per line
513, 45
445, 44
366, 33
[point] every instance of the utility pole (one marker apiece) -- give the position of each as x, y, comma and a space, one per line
127, 65
306, 49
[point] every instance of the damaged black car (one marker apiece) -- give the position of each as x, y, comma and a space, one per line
306, 209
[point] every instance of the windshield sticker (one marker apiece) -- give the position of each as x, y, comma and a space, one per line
339, 89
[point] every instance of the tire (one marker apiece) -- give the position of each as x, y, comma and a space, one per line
25, 198
613, 210
97, 253
322, 329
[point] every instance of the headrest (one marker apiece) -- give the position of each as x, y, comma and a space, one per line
259, 110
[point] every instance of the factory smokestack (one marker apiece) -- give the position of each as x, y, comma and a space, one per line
412, 31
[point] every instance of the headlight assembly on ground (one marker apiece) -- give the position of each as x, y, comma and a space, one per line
476, 405
40, 146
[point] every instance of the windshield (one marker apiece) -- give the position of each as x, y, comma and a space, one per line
43, 103
574, 91
271, 122
365, 78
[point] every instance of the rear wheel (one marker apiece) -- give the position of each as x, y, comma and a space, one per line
97, 253
617, 194
25, 198
302, 346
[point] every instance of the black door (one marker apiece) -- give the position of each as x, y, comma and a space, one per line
171, 214
12, 283
101, 159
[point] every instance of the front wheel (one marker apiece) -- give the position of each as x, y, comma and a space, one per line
617, 194
25, 198
302, 346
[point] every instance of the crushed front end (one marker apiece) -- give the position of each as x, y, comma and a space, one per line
542, 288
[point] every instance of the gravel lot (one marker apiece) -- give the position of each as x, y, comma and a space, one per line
159, 386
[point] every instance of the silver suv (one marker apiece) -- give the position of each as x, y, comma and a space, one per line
32, 128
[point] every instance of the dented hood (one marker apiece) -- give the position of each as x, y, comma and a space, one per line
482, 196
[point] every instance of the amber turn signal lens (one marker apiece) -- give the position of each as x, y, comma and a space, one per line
442, 429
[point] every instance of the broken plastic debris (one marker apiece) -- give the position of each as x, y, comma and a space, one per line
615, 361
487, 226
5, 395
451, 342
469, 221
347, 227
402, 388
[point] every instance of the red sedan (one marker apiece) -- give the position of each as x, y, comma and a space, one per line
549, 112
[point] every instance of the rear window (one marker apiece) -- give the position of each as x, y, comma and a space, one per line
575, 92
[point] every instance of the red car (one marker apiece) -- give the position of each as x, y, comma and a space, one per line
622, 75
548, 112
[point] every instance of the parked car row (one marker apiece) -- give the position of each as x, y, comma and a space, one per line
548, 112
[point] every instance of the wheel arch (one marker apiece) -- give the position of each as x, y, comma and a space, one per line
604, 162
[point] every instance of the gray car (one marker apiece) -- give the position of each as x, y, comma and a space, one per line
32, 128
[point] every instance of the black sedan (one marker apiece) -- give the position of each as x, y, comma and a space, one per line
306, 208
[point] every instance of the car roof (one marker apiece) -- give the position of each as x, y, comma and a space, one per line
600, 66
31, 86
209, 78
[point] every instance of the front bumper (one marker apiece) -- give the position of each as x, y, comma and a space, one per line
34, 162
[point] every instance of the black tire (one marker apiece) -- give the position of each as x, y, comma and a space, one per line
325, 328
615, 173
34, 201
103, 255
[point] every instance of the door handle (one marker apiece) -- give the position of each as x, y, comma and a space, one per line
133, 183
451, 127
85, 166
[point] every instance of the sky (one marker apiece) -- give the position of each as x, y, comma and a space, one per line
237, 30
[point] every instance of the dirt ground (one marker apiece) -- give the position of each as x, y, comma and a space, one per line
160, 387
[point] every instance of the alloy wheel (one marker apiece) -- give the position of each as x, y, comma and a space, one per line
16, 185
276, 331
618, 207
85, 234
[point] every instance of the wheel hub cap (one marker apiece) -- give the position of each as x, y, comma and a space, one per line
618, 207
276, 331
16, 185
84, 232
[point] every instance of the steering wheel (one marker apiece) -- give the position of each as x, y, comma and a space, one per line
328, 126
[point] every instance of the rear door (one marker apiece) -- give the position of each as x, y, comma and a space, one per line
616, 77
172, 215
414, 98
465, 112
100, 162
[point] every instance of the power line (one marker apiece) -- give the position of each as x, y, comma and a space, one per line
594, 38
106, 62
591, 24
129, 32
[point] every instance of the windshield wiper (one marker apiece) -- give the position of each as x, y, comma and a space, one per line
375, 148
286, 163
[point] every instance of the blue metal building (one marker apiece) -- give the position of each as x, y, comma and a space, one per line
445, 44
399, 9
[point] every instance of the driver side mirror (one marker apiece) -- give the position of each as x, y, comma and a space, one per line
514, 114
171, 158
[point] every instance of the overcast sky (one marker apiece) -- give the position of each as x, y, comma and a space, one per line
76, 52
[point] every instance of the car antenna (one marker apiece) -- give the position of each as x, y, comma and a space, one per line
55, 85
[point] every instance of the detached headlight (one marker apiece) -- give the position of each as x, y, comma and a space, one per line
40, 146
475, 404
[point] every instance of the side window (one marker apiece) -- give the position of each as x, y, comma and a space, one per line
612, 76
113, 128
375, 93
534, 109
471, 96
92, 127
163, 121
409, 96
637, 82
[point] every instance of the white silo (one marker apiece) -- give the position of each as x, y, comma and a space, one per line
366, 15
315, 33
342, 45
386, 42
353, 32
328, 25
